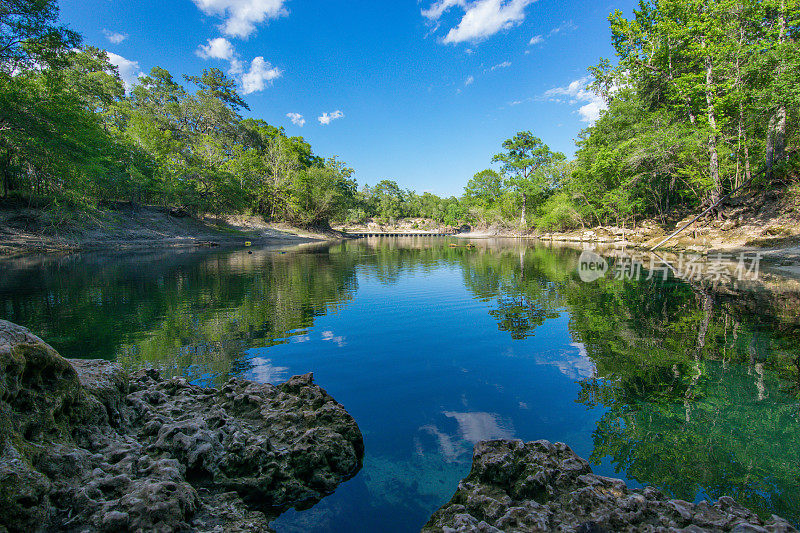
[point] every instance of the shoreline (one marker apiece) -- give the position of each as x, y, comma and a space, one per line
89, 446
147, 228
33, 231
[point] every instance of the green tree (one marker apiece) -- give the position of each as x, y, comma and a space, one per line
527, 164
30, 36
484, 188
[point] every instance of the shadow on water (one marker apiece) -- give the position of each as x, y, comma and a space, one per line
691, 388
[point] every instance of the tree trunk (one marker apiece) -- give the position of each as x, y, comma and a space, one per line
524, 201
776, 133
780, 130
741, 140
780, 135
742, 153
713, 157
6, 162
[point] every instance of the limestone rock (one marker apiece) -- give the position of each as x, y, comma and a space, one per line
86, 447
540, 486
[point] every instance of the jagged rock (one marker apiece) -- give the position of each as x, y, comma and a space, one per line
86, 447
540, 486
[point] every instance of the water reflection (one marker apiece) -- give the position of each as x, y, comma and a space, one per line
193, 313
475, 427
689, 387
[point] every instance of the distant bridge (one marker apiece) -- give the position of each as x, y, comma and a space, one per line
362, 234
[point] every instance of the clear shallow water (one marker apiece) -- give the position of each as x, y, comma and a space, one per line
433, 348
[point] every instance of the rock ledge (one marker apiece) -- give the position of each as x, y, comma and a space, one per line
86, 447
540, 486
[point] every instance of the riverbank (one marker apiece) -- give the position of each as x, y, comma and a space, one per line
86, 446
765, 220
130, 227
767, 223
411, 226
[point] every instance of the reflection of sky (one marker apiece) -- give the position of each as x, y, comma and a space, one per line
572, 360
475, 427
448, 447
338, 340
575, 366
264, 371
426, 373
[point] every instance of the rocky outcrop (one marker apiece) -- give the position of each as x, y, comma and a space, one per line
540, 486
86, 447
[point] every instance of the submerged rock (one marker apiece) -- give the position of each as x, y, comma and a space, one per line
86, 447
540, 486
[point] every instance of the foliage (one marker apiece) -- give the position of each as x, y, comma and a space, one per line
703, 93
30, 36
702, 88
71, 135
557, 213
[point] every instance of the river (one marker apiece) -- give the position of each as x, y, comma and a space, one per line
433, 348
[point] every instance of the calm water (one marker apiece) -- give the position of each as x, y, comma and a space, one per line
433, 348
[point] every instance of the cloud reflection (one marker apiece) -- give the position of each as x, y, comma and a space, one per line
263, 371
477, 426
339, 340
473, 427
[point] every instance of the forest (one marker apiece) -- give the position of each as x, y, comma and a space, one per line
701, 100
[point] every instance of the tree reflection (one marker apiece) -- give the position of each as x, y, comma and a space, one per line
699, 384
692, 391
191, 313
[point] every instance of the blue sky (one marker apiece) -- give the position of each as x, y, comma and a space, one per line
420, 92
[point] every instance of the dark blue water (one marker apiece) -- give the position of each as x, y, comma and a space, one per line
433, 348
423, 368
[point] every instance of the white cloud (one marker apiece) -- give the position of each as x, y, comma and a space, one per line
482, 18
565, 27
257, 77
129, 71
240, 17
591, 112
437, 9
327, 118
296, 118
261, 74
115, 37
504, 64
576, 93
219, 48
469, 81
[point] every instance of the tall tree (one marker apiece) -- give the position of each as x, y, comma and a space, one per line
484, 188
30, 35
524, 158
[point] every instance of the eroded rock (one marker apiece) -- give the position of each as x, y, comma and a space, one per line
540, 486
86, 447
